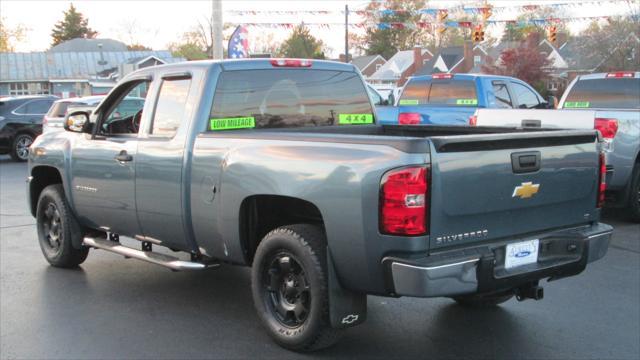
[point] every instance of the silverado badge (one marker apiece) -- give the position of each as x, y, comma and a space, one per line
526, 190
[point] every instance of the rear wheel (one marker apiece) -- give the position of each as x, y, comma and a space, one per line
484, 300
58, 229
289, 286
634, 201
20, 147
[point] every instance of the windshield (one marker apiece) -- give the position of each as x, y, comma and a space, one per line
448, 92
604, 94
289, 98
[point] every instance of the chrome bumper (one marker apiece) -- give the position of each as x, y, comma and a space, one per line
483, 273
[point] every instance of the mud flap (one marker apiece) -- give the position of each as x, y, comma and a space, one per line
346, 308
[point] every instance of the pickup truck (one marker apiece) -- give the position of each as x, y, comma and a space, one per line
608, 102
279, 164
452, 99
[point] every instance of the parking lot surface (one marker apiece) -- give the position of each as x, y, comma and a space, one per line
117, 308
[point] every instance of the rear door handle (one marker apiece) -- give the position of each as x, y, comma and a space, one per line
124, 157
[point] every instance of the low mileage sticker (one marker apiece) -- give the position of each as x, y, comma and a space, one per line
576, 104
344, 119
232, 123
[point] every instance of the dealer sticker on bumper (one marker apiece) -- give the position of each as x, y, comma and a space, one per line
521, 253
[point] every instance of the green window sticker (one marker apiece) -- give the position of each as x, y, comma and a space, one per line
232, 123
576, 104
408, 102
344, 119
467, 102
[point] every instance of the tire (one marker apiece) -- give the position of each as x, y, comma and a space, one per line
484, 300
20, 147
289, 286
633, 209
58, 229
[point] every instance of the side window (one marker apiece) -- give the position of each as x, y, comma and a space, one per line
503, 99
124, 117
527, 99
37, 107
377, 99
170, 108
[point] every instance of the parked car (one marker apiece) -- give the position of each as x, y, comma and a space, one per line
608, 102
54, 119
452, 99
279, 164
21, 122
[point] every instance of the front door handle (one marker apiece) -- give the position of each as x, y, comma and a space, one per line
124, 157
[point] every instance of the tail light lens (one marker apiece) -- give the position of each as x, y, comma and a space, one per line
404, 201
290, 63
607, 127
602, 185
473, 120
621, 74
408, 118
442, 76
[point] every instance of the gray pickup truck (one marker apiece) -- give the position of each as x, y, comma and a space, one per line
280, 165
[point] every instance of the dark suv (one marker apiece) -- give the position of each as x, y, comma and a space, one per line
20, 123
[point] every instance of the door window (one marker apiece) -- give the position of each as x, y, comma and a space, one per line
503, 99
38, 107
171, 107
124, 117
527, 99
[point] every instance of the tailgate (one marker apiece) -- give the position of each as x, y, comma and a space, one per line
486, 187
440, 115
564, 119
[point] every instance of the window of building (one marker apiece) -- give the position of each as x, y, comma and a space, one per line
477, 59
552, 86
23, 88
378, 66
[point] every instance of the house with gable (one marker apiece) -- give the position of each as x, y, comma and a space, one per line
401, 66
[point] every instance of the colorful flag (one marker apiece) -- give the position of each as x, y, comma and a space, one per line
239, 44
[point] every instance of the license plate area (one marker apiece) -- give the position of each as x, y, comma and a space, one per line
521, 253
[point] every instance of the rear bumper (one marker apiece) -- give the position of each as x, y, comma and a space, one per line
481, 269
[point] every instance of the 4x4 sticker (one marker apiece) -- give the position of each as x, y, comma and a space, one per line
355, 119
576, 104
408, 102
232, 123
466, 101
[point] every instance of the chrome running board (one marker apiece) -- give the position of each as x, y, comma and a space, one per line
170, 262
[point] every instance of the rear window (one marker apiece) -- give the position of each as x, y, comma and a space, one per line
604, 94
450, 92
277, 98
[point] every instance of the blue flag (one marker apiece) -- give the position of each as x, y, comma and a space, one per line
239, 44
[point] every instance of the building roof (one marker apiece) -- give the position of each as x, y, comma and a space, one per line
84, 45
361, 62
43, 66
444, 61
394, 67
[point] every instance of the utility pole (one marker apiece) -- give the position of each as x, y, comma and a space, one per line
346, 33
216, 30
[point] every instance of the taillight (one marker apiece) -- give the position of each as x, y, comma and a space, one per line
607, 127
290, 62
602, 185
408, 118
473, 120
441, 76
404, 201
621, 74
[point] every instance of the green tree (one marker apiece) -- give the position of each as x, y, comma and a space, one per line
514, 32
10, 36
188, 50
387, 42
613, 45
73, 26
301, 44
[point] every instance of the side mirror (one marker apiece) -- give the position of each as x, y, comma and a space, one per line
392, 99
552, 102
76, 121
383, 102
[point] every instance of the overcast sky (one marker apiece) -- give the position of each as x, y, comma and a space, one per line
159, 23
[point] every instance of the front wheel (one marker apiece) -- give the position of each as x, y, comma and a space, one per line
58, 229
289, 286
20, 147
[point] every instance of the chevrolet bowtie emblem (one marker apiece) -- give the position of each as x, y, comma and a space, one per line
526, 190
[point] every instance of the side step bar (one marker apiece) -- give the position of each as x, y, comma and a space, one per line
170, 262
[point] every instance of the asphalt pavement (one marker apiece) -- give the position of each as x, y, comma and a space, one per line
117, 308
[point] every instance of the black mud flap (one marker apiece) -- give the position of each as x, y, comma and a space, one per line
346, 308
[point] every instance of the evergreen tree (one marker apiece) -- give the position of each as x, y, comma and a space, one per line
73, 26
301, 44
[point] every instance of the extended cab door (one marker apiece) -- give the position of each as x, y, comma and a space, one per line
159, 169
103, 164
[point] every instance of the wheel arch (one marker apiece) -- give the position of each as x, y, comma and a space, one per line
260, 214
41, 177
